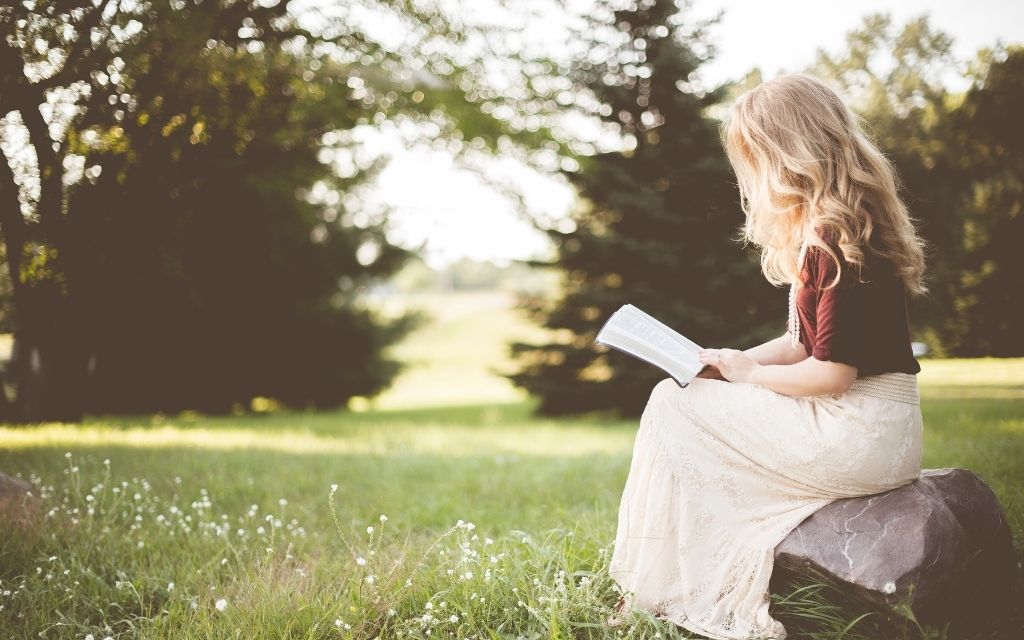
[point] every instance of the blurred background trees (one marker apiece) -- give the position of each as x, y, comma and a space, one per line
183, 236
656, 226
656, 222
958, 155
184, 224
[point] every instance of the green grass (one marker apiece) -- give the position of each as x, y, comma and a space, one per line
541, 496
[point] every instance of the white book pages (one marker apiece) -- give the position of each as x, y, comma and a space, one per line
642, 336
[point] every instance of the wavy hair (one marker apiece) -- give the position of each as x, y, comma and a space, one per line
806, 170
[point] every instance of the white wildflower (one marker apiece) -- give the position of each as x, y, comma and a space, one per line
889, 587
221, 604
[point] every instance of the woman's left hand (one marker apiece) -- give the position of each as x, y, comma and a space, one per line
734, 365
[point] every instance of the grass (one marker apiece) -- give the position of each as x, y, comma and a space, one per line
497, 518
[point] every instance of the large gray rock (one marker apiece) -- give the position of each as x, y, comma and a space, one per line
942, 542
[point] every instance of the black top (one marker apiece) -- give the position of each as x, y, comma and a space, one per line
864, 324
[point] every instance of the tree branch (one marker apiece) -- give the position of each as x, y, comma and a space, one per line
77, 55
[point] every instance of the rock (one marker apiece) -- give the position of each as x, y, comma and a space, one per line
17, 500
942, 541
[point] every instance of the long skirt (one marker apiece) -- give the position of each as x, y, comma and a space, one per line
722, 472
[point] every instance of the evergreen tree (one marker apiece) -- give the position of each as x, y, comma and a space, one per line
658, 226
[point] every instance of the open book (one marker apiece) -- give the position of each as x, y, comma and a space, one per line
632, 331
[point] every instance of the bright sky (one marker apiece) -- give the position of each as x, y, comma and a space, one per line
458, 216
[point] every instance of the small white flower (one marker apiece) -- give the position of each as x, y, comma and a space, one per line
334, 488
429, 605
371, 579
391, 612
889, 587
170, 586
282, 502
383, 518
67, 454
361, 561
369, 530
221, 604
88, 636
453, 618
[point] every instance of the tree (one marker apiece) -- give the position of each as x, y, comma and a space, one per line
958, 157
657, 227
93, 83
197, 279
992, 276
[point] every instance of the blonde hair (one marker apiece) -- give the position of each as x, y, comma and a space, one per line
804, 164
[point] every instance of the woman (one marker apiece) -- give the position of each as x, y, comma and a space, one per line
726, 467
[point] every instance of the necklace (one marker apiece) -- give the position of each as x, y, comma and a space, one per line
793, 321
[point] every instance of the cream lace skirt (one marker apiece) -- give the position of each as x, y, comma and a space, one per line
722, 472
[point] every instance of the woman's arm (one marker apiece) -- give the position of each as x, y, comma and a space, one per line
777, 351
809, 377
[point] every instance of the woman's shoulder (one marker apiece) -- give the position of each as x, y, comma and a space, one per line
824, 265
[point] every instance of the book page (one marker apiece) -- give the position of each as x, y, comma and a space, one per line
641, 335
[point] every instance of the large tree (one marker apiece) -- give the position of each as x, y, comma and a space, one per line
172, 233
657, 226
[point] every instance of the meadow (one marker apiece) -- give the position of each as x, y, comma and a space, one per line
442, 508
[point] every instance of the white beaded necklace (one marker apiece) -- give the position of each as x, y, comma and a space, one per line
794, 320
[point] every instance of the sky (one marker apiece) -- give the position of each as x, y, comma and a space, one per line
779, 36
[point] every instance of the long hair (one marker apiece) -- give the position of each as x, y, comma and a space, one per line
803, 164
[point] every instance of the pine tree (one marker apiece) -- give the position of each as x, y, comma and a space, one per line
657, 227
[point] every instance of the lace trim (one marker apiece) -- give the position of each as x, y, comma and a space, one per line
898, 386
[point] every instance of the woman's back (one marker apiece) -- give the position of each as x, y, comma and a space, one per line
864, 324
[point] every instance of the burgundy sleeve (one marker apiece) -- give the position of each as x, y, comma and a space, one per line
836, 322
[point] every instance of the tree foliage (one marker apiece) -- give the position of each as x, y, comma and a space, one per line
958, 156
657, 226
180, 237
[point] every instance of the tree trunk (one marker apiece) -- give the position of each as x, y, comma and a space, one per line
46, 367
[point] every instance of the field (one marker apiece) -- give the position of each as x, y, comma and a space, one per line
440, 509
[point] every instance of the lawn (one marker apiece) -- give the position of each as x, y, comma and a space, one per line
467, 518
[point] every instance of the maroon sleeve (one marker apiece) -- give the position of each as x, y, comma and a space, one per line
836, 320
